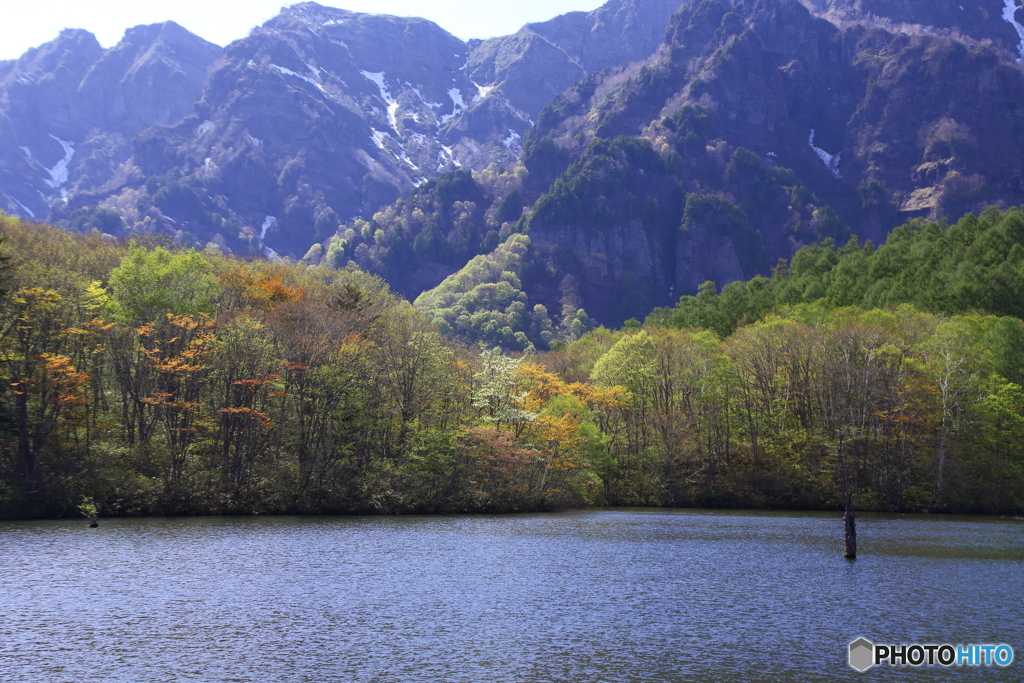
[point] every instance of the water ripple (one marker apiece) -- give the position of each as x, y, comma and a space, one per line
608, 595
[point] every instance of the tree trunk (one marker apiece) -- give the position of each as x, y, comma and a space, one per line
25, 451
851, 529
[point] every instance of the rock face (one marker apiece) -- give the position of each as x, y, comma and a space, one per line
990, 21
317, 117
880, 125
768, 124
69, 109
541, 60
644, 147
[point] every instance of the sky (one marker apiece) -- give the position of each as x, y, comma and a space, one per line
30, 23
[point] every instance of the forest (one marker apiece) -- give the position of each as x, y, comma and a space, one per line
142, 378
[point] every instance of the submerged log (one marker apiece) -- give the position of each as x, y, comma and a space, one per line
851, 529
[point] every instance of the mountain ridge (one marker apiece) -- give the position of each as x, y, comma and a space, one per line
642, 148
354, 110
789, 128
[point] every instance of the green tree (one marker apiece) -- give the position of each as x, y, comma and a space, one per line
152, 283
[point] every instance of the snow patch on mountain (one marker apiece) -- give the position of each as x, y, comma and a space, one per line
24, 208
204, 128
446, 154
267, 222
513, 139
309, 80
406, 159
1010, 17
385, 94
59, 173
831, 161
482, 91
457, 102
432, 105
378, 137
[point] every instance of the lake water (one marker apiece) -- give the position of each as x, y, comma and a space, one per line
590, 596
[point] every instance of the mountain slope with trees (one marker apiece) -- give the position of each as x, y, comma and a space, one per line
788, 128
974, 265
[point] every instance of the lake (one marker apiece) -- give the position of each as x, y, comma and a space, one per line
586, 596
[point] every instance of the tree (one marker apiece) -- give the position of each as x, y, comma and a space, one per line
177, 355
4, 269
246, 384
414, 377
498, 394
39, 378
150, 284
948, 358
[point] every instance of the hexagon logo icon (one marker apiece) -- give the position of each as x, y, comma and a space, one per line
862, 654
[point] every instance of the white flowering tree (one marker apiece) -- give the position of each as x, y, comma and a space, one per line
496, 391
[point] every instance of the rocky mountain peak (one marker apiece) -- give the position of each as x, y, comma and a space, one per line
69, 109
319, 116
73, 49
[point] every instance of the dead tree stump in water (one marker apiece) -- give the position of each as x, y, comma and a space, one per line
851, 529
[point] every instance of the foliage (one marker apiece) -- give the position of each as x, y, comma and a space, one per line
150, 381
148, 284
440, 226
484, 301
974, 265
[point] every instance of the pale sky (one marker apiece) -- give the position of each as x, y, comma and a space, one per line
30, 23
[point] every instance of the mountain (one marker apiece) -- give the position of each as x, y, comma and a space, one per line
317, 117
69, 110
521, 189
541, 60
995, 23
757, 127
932, 118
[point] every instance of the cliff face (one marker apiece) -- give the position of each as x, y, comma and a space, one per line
992, 22
69, 109
769, 124
541, 60
880, 125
